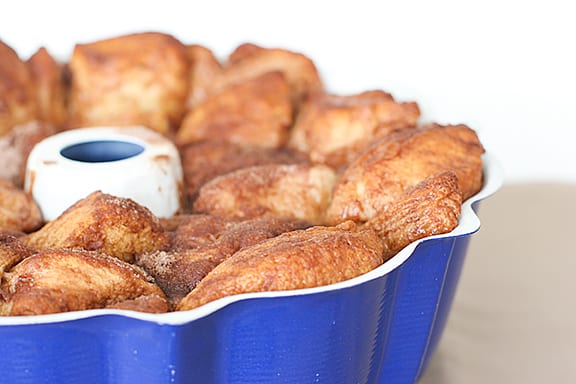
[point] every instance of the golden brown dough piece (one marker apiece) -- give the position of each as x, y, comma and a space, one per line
255, 112
334, 129
203, 161
151, 303
15, 147
430, 208
299, 259
298, 191
171, 224
52, 88
12, 251
11, 232
204, 69
400, 161
18, 211
178, 272
198, 231
136, 79
202, 243
17, 91
62, 280
118, 227
250, 60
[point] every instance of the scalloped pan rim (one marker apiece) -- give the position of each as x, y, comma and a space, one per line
469, 223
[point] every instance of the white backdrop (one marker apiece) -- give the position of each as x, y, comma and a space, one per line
506, 68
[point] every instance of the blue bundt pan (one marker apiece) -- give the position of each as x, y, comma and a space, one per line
380, 327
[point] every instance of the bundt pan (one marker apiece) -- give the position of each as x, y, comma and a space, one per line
381, 327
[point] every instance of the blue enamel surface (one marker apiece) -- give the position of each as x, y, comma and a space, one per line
381, 331
102, 349
425, 288
289, 340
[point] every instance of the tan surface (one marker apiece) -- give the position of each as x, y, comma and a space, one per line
514, 314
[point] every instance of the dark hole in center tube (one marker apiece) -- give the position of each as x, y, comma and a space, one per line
101, 151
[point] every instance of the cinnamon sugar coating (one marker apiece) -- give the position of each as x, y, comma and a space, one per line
118, 227
249, 60
298, 191
51, 83
18, 103
16, 145
297, 259
205, 160
62, 280
204, 241
18, 211
135, 79
204, 71
257, 111
335, 129
399, 162
287, 185
12, 251
430, 208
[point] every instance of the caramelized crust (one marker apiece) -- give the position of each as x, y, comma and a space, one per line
430, 208
170, 224
399, 162
51, 86
198, 231
247, 50
202, 243
178, 272
18, 211
203, 161
153, 303
15, 147
250, 60
298, 259
204, 70
255, 112
334, 129
297, 191
116, 226
136, 79
11, 232
12, 251
62, 280
266, 153
17, 91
